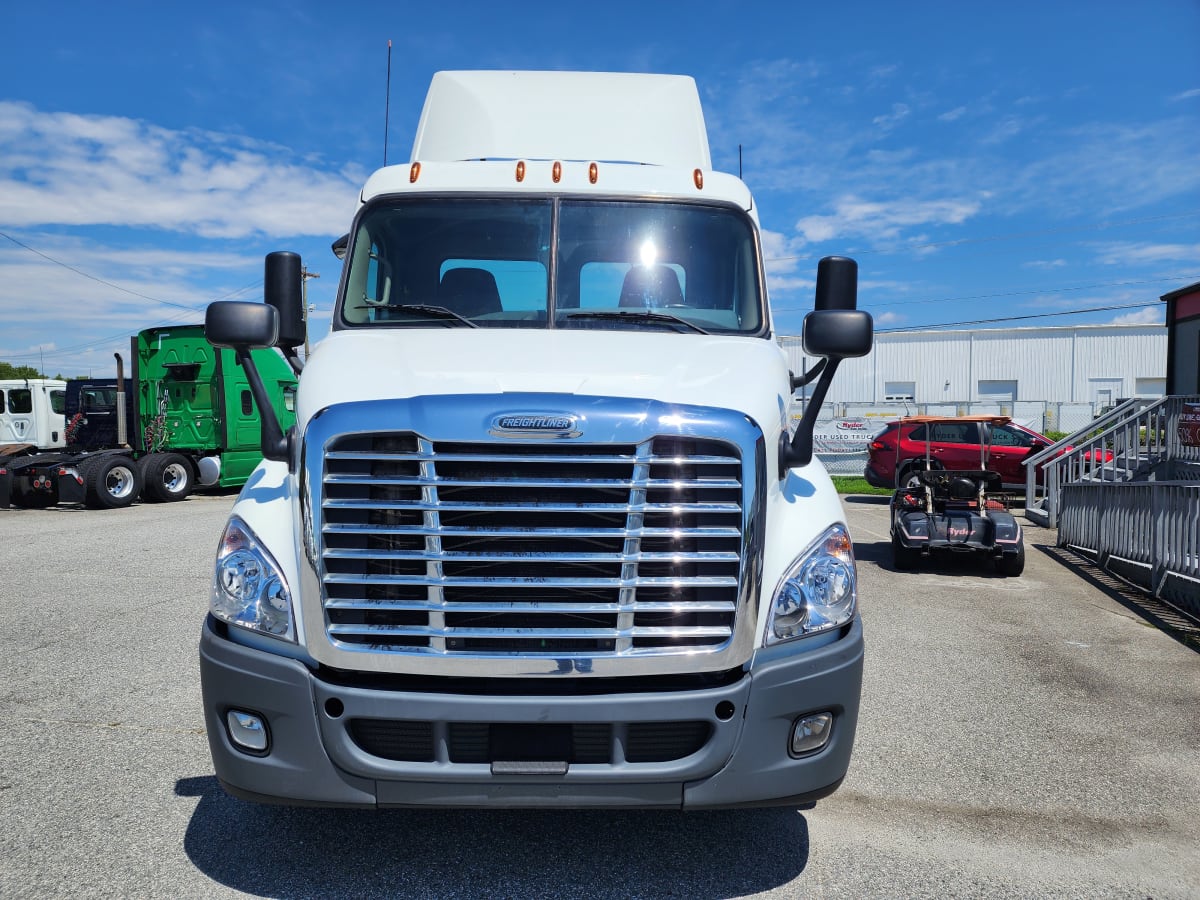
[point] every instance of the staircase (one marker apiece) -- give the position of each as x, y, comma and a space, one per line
1125, 492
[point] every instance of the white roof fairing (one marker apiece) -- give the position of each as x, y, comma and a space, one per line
593, 116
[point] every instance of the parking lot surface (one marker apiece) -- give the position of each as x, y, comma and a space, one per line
1031, 737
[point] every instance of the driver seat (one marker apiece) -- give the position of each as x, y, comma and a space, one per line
651, 287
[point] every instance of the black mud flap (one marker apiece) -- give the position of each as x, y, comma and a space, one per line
71, 489
6, 480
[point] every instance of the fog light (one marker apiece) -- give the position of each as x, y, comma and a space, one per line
249, 732
811, 733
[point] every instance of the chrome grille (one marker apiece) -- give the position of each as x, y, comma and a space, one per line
563, 550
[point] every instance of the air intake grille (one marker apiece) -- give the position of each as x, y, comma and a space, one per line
550, 549
578, 743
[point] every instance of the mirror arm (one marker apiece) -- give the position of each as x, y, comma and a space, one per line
799, 450
293, 359
799, 381
275, 444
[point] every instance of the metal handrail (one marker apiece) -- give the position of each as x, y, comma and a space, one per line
1117, 446
1144, 532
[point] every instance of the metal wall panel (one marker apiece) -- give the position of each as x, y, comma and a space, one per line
1049, 364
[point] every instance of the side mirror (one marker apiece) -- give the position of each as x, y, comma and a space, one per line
283, 289
838, 333
244, 327
835, 330
241, 325
340, 246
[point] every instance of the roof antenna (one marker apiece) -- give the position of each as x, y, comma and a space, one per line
739, 162
387, 102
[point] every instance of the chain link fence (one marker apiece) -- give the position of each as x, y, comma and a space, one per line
844, 430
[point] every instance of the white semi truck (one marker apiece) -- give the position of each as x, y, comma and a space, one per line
540, 535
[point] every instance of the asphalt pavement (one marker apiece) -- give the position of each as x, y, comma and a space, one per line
1027, 737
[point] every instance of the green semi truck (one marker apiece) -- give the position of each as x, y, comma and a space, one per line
184, 418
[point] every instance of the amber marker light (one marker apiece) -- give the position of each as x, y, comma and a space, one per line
520, 171
593, 173
414, 173
698, 177
556, 172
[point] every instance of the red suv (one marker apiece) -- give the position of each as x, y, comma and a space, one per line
954, 443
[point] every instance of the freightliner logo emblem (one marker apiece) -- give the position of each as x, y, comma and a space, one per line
532, 424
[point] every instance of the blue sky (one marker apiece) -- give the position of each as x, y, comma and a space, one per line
1017, 161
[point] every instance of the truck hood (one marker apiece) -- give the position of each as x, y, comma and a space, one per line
746, 374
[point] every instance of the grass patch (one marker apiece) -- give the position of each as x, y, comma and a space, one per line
855, 484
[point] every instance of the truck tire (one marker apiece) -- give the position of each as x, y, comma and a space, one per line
903, 558
112, 482
1010, 565
167, 477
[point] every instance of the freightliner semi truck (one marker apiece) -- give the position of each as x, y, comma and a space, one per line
540, 535
186, 418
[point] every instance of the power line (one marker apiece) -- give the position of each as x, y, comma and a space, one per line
1061, 290
59, 351
1014, 236
88, 275
1030, 292
1050, 315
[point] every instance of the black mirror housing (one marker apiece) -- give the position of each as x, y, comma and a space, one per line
241, 324
838, 333
283, 288
837, 283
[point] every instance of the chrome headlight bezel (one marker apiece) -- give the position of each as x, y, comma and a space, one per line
818, 592
248, 587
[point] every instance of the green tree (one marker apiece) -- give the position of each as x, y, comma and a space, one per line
8, 371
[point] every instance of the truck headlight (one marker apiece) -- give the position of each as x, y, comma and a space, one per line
818, 592
248, 588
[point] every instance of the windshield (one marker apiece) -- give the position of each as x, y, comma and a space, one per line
553, 263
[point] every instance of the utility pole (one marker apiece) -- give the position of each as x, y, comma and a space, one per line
304, 276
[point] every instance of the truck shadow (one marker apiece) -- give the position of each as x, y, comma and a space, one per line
275, 851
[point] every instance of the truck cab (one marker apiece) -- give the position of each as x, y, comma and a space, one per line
540, 534
32, 411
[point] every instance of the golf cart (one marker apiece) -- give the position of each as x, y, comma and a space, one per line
941, 511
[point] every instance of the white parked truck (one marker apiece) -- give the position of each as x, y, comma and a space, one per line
540, 535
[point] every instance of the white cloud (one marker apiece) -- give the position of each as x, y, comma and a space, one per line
1186, 95
1151, 315
888, 121
77, 170
883, 220
1045, 264
953, 115
1126, 253
887, 319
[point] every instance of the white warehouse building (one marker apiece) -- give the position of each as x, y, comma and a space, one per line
1076, 364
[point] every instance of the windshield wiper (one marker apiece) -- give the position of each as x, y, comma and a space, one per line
450, 317
640, 315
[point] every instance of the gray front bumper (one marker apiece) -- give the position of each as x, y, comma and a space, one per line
312, 759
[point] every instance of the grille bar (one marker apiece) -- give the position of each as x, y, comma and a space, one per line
531, 581
650, 484
527, 506
377, 631
569, 557
565, 457
365, 604
499, 532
